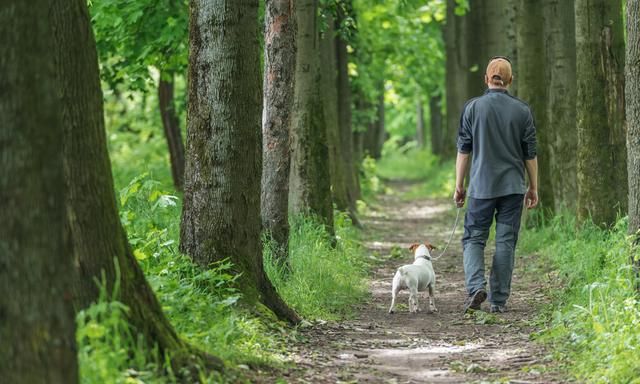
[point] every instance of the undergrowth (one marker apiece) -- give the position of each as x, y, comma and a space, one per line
595, 317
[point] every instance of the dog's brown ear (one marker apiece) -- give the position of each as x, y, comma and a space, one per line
430, 246
413, 246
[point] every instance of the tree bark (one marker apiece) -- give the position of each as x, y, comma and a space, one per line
435, 108
632, 100
329, 92
100, 245
309, 183
221, 213
280, 62
171, 125
380, 131
344, 120
602, 156
533, 89
420, 127
37, 322
458, 73
560, 114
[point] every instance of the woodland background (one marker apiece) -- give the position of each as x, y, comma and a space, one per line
182, 181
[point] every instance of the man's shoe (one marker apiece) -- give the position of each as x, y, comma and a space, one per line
498, 308
474, 300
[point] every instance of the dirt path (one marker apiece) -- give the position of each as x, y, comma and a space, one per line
444, 347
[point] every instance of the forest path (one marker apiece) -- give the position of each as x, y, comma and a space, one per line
442, 347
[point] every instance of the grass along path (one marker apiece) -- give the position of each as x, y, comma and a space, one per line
444, 347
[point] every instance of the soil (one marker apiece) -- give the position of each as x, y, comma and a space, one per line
442, 347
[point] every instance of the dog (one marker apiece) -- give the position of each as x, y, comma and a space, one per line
416, 277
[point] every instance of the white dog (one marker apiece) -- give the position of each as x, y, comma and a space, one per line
416, 277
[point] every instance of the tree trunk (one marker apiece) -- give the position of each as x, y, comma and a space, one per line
602, 156
221, 214
533, 87
345, 123
435, 109
560, 114
171, 125
37, 322
632, 100
280, 61
309, 184
420, 128
98, 239
458, 73
329, 92
381, 133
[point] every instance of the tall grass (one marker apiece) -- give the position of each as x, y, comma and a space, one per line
325, 280
595, 317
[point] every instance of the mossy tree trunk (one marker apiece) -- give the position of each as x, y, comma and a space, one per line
560, 114
221, 214
279, 77
309, 183
98, 239
632, 99
532, 88
171, 125
37, 321
602, 155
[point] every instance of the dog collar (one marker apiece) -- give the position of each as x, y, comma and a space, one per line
425, 257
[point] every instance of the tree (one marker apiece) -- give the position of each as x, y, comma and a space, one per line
435, 110
632, 100
560, 114
458, 71
37, 325
280, 59
99, 243
532, 88
221, 213
349, 160
309, 183
602, 156
171, 125
329, 96
420, 127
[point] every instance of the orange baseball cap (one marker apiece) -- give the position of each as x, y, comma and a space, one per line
499, 71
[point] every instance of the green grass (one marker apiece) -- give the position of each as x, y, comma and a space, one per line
432, 177
325, 281
595, 317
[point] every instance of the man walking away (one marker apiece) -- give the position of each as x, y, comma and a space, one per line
497, 130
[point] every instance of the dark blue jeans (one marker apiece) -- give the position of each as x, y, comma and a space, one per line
477, 223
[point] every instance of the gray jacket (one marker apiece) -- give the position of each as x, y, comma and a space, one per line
499, 130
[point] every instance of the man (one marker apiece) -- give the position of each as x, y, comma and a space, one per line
497, 130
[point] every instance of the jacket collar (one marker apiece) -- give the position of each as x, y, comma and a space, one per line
496, 90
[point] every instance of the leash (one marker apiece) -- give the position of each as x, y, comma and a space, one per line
450, 236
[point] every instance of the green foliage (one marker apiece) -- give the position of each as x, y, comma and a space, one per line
398, 50
108, 351
133, 35
370, 184
325, 281
596, 316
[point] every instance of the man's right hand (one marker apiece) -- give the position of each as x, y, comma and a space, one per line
531, 198
459, 196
